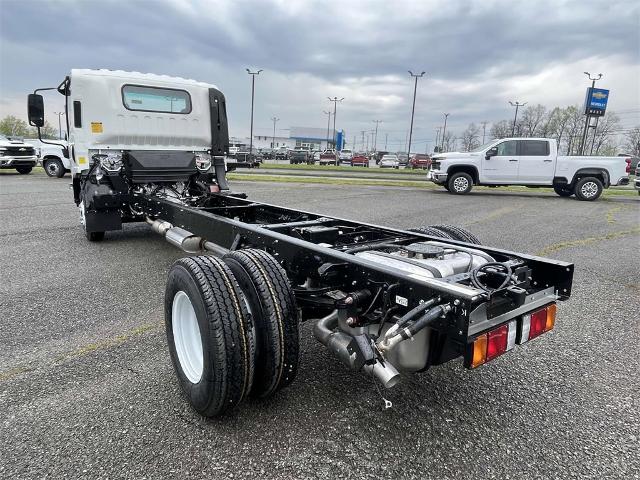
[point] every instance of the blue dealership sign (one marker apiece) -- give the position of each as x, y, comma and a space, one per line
596, 102
339, 140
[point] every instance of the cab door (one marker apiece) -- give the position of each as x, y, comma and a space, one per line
537, 164
502, 167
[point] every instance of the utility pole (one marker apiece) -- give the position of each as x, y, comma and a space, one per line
416, 76
444, 129
437, 139
484, 130
375, 139
59, 114
253, 89
588, 119
363, 132
328, 124
335, 101
515, 117
273, 140
386, 137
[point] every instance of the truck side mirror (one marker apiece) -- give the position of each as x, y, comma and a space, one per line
492, 152
35, 105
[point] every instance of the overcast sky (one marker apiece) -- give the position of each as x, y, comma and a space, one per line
477, 56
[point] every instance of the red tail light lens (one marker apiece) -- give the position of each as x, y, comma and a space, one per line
628, 160
497, 342
538, 322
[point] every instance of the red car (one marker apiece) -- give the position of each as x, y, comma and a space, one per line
420, 160
359, 160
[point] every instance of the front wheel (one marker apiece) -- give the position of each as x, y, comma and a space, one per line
54, 168
94, 236
24, 170
588, 189
460, 183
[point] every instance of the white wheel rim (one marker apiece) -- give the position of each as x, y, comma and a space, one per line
52, 167
460, 184
589, 189
186, 337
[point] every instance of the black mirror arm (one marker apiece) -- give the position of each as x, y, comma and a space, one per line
38, 128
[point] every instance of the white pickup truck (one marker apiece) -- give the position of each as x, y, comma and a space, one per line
52, 156
533, 162
16, 154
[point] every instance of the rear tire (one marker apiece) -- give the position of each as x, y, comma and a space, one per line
458, 233
54, 168
588, 189
274, 313
432, 231
460, 183
24, 170
210, 334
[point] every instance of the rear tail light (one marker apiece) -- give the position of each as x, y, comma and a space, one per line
503, 338
628, 160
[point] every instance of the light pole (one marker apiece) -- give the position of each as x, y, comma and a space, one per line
444, 130
588, 119
59, 114
328, 124
386, 137
515, 117
484, 130
335, 101
416, 76
375, 139
253, 88
435, 146
273, 139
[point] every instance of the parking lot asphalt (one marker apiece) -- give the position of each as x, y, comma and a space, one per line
87, 389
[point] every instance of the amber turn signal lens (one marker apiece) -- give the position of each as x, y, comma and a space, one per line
551, 317
479, 351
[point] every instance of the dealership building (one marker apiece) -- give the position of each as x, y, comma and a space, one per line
311, 138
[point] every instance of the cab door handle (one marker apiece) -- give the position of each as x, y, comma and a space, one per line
513, 160
548, 160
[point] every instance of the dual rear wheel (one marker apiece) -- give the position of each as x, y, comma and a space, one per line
232, 328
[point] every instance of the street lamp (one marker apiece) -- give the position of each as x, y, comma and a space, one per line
375, 138
413, 108
444, 130
59, 114
328, 114
273, 140
335, 101
253, 85
515, 117
588, 119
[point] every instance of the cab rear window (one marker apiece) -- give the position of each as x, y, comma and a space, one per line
155, 99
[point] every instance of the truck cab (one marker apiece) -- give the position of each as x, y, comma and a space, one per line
16, 154
533, 162
130, 132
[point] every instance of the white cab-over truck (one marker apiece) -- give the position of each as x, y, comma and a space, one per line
16, 154
532, 162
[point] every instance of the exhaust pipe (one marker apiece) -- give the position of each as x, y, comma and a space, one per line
177, 236
337, 342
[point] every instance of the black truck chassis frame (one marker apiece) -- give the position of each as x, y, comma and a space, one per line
312, 250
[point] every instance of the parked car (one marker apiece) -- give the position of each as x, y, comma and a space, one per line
328, 157
634, 160
377, 156
636, 182
299, 155
14, 153
345, 156
360, 160
532, 162
316, 156
420, 160
403, 159
281, 153
389, 161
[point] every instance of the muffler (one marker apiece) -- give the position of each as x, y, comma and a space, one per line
337, 342
177, 236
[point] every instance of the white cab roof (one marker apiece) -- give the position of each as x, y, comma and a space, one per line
142, 77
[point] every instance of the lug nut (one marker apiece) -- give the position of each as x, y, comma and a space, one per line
351, 321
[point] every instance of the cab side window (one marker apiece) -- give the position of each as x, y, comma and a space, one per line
534, 148
507, 148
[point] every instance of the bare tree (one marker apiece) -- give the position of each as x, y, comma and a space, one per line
449, 141
603, 135
470, 138
632, 141
501, 129
531, 119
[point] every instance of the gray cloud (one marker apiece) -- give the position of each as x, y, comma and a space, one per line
478, 55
